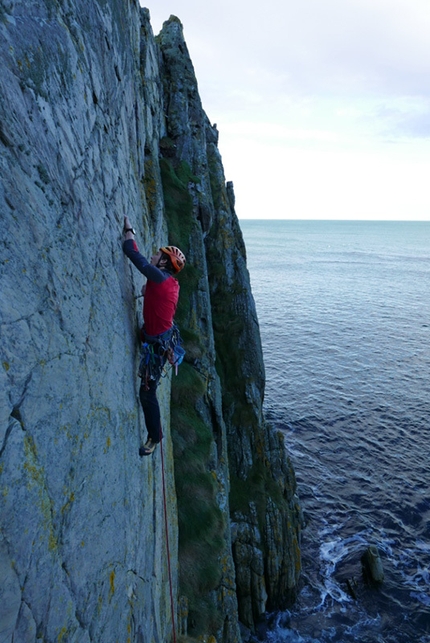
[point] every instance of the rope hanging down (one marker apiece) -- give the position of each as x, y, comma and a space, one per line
166, 526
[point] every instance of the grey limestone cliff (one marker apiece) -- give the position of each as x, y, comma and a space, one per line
99, 119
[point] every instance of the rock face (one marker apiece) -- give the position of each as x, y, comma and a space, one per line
98, 119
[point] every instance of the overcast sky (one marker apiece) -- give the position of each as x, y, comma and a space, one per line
323, 106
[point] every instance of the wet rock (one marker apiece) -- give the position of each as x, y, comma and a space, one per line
249, 564
372, 565
351, 586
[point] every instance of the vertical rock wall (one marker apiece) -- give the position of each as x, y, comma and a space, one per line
82, 543
97, 120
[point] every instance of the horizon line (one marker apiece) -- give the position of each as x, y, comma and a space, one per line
340, 220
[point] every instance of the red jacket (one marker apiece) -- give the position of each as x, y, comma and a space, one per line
159, 305
162, 292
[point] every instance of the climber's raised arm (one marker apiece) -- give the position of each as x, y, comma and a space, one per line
150, 269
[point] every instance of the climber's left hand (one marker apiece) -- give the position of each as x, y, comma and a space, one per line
127, 225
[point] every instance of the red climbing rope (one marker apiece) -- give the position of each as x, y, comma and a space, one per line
166, 525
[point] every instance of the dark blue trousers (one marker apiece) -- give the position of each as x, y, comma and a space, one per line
151, 409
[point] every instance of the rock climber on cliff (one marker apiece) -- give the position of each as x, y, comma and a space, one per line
161, 294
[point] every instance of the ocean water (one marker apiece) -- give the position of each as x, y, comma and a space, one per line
344, 311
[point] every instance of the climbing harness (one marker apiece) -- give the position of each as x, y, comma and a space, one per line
156, 351
166, 527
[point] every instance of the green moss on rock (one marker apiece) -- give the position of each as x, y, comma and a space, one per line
201, 522
179, 214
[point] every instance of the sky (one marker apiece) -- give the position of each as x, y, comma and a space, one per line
322, 106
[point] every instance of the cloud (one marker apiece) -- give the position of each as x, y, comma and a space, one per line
328, 98
279, 182
408, 118
340, 46
414, 126
358, 45
275, 133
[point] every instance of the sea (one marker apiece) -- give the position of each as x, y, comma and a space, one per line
344, 313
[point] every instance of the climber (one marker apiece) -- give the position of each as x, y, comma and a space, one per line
161, 294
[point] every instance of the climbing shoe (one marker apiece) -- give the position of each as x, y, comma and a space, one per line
147, 448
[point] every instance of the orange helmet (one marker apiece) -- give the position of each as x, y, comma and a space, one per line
176, 256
